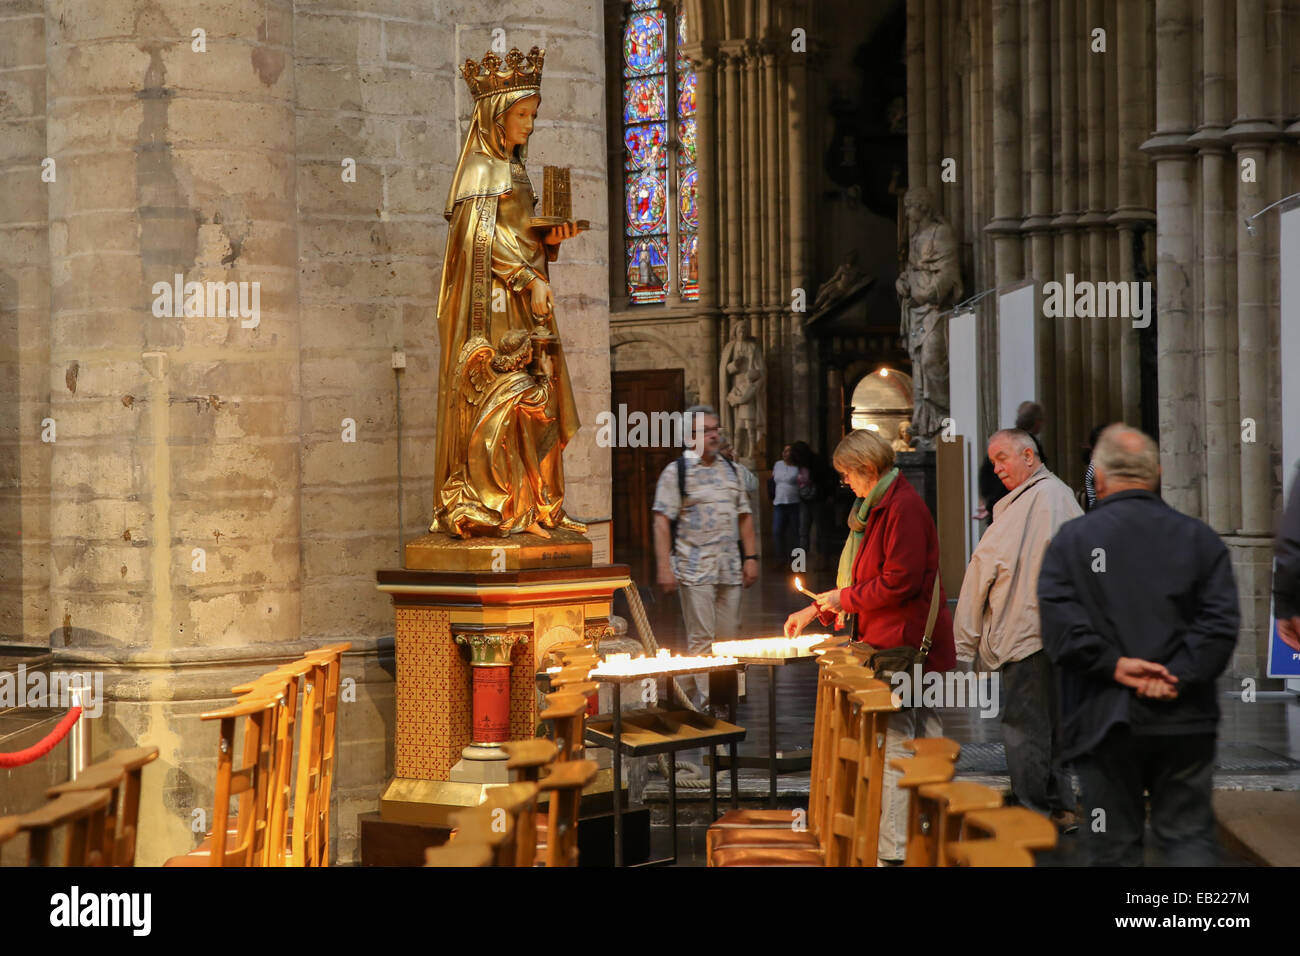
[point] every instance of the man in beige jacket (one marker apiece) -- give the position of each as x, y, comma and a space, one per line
997, 620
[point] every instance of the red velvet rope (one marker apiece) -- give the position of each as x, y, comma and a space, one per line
36, 751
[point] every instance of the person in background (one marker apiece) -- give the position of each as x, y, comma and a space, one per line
1286, 570
1139, 615
886, 581
809, 493
726, 450
711, 514
784, 486
997, 621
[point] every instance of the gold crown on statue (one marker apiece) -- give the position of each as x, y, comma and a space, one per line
521, 72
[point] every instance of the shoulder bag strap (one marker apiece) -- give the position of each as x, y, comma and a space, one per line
934, 615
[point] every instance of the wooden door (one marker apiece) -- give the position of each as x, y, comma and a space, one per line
636, 470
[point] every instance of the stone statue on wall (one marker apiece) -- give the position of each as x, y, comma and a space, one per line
740, 380
928, 286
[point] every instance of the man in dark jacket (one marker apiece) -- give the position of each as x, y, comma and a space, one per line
1286, 570
1139, 613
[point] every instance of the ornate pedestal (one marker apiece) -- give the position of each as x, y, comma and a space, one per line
512, 617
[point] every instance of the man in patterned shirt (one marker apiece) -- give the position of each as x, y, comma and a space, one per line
704, 494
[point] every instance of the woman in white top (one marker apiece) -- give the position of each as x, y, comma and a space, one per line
785, 505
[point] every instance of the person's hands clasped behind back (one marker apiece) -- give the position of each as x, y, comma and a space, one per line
1147, 678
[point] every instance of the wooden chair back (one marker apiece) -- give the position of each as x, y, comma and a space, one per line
104, 775
250, 781
459, 853
1017, 826
567, 714
922, 831
839, 755
565, 784
81, 815
952, 801
332, 658
990, 853
874, 709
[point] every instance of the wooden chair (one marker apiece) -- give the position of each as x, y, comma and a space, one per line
922, 836
567, 714
246, 843
858, 705
518, 803
124, 811
565, 784
479, 826
8, 828
459, 853
934, 747
331, 656
81, 815
876, 706
528, 758
104, 775
1016, 826
950, 802
989, 853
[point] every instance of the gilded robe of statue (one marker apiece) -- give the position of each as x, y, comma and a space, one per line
498, 469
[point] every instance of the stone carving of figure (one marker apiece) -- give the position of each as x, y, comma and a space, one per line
904, 440
928, 286
498, 469
740, 380
838, 284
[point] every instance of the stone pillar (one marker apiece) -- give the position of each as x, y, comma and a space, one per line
1131, 213
1070, 360
1095, 331
1220, 429
25, 614
1180, 413
707, 158
917, 154
1250, 135
797, 123
176, 433
1038, 225
732, 174
934, 56
753, 185
1007, 204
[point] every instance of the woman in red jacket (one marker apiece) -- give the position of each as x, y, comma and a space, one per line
886, 580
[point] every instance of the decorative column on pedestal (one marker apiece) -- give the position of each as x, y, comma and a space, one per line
483, 761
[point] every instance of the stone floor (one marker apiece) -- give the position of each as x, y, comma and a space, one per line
1257, 780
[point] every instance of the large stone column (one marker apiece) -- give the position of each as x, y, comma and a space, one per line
1007, 200
917, 154
24, 329
1038, 225
1181, 441
1095, 331
1070, 359
1250, 134
174, 480
1221, 431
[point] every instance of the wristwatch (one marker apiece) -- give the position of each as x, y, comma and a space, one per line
749, 557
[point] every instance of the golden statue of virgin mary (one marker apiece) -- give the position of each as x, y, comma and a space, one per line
505, 406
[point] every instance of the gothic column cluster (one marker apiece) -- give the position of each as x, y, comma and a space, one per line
1086, 126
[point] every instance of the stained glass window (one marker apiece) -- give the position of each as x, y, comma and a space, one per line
661, 217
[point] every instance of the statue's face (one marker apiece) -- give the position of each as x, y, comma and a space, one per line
518, 121
737, 332
915, 212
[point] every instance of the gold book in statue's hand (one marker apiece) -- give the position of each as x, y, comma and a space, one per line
550, 222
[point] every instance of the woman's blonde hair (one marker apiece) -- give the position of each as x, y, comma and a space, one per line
860, 448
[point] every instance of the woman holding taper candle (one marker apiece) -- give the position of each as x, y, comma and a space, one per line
885, 583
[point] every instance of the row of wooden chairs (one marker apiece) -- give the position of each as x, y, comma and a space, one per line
507, 829
946, 818
283, 816
93, 819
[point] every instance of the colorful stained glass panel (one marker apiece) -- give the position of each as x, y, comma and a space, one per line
643, 44
647, 197
690, 266
686, 94
686, 135
688, 209
647, 269
646, 145
682, 62
644, 99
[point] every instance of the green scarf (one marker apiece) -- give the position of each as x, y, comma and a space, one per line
858, 527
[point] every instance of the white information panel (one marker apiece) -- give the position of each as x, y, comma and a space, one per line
1017, 351
963, 396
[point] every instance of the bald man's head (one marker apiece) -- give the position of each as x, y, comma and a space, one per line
1125, 459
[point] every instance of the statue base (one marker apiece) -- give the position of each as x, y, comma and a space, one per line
519, 552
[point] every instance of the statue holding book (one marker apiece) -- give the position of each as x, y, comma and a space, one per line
506, 405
